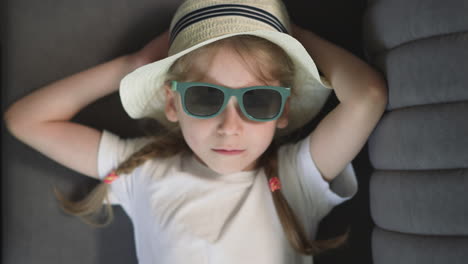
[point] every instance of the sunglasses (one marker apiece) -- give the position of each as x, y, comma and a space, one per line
258, 103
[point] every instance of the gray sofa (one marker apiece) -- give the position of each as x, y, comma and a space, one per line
419, 189
410, 209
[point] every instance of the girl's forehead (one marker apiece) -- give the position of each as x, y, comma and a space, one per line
227, 67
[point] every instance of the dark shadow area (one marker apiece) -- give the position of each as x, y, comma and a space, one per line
340, 22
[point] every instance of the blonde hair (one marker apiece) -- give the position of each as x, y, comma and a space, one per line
268, 62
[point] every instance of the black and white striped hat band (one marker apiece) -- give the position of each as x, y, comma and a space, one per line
226, 10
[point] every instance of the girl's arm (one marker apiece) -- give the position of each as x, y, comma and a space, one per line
41, 119
362, 93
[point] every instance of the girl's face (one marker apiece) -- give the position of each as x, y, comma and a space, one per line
230, 129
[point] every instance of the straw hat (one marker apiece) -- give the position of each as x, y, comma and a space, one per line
197, 23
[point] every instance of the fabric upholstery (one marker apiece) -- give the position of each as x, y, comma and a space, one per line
419, 149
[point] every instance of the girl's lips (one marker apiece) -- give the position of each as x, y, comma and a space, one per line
228, 152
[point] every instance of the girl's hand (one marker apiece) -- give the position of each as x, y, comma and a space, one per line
296, 31
154, 50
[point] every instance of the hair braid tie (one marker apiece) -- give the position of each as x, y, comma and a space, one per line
275, 184
112, 176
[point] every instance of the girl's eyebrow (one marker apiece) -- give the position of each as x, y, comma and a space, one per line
206, 79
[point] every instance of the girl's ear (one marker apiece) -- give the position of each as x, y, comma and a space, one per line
283, 119
170, 106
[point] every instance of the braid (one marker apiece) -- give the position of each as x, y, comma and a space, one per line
165, 144
293, 229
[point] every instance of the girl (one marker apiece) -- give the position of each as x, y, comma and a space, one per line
223, 182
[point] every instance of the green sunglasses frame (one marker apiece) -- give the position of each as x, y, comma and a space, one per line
181, 88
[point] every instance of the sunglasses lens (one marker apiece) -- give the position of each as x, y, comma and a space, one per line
262, 103
203, 100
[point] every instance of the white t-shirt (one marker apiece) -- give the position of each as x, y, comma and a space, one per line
183, 212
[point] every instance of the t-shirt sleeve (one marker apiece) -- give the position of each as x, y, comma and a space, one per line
112, 151
306, 186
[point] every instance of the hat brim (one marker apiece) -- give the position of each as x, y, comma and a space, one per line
142, 95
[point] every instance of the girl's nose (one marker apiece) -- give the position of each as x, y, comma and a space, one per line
231, 119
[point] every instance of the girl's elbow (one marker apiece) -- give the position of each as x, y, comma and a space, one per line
379, 91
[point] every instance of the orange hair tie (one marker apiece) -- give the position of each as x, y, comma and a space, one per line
275, 184
111, 177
